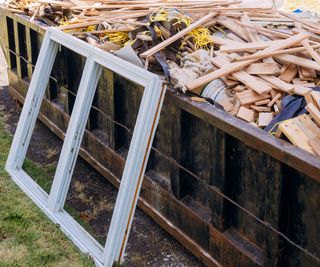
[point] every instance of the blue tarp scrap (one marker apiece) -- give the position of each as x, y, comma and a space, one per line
292, 106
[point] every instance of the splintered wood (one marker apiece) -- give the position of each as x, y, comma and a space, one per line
302, 132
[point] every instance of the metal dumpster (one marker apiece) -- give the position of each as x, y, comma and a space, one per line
228, 192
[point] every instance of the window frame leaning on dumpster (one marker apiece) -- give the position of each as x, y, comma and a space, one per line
148, 116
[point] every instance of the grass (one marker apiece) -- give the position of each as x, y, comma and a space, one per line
27, 236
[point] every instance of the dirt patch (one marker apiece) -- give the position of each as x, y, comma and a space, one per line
91, 199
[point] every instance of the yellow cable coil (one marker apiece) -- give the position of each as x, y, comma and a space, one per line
201, 37
119, 38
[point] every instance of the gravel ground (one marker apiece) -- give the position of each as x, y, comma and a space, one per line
92, 197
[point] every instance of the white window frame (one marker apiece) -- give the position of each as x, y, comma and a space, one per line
147, 120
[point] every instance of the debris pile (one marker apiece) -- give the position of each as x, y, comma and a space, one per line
258, 64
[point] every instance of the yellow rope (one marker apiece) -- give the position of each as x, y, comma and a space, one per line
119, 38
201, 37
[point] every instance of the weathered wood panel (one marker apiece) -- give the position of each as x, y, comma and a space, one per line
255, 184
301, 216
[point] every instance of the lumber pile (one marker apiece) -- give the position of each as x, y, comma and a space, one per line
257, 56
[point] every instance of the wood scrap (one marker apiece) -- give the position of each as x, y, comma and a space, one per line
260, 109
244, 77
249, 96
307, 74
290, 72
309, 99
301, 90
311, 51
245, 114
315, 145
198, 99
316, 98
314, 112
292, 130
265, 118
279, 52
274, 100
299, 61
262, 102
279, 84
263, 68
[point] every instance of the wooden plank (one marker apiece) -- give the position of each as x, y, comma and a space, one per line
273, 101
311, 51
262, 102
314, 112
245, 114
293, 17
263, 68
279, 52
308, 84
230, 82
271, 60
239, 65
56, 3
235, 37
289, 73
252, 34
264, 31
234, 27
227, 105
311, 130
298, 81
301, 90
295, 134
300, 61
260, 108
79, 25
313, 37
230, 48
309, 99
224, 41
243, 76
316, 97
249, 96
177, 36
308, 126
239, 88
315, 145
307, 74
279, 84
265, 118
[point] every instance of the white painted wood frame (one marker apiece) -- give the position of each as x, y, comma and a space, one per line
147, 120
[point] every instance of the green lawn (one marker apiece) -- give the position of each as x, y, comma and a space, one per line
27, 237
